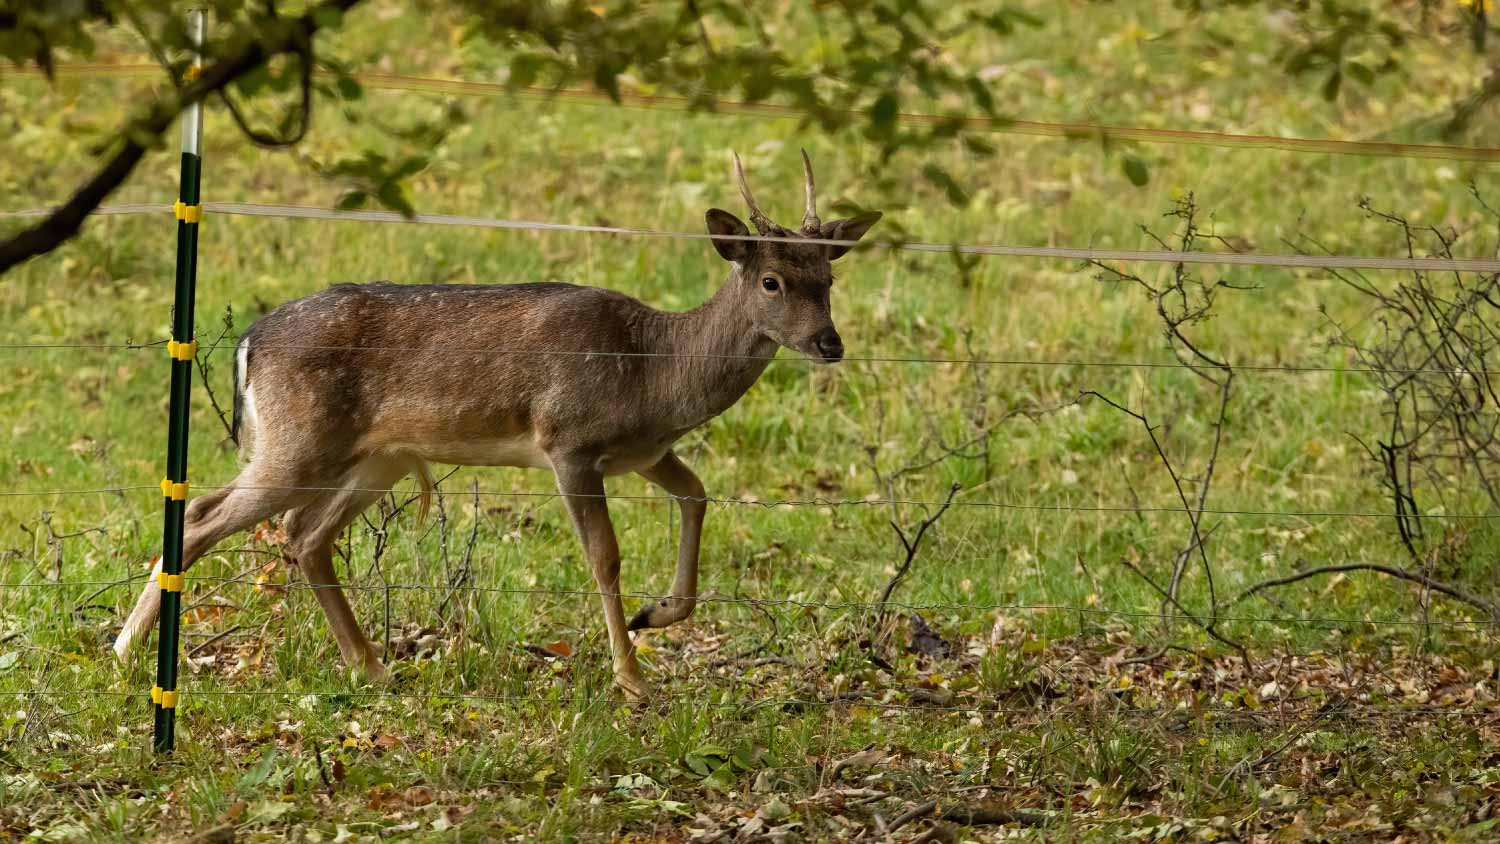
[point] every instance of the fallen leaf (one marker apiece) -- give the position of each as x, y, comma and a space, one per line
775, 810
862, 759
926, 641
266, 811
384, 799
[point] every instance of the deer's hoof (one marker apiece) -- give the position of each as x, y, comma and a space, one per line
662, 613
370, 666
642, 619
376, 673
633, 686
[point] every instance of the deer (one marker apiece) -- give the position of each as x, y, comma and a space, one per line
345, 392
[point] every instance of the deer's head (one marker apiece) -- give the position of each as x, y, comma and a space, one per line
783, 286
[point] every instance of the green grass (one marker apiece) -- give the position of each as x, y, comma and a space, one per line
758, 701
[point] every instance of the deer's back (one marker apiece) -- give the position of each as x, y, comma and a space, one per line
389, 366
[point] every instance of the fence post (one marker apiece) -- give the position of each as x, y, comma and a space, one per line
182, 349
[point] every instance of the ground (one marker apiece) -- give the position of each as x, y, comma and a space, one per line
1017, 675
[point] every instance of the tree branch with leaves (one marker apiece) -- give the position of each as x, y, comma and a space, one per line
877, 54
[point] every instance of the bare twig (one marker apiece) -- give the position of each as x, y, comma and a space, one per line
1427, 582
55, 542
1431, 341
301, 119
212, 639
389, 509
221, 834
1197, 540
205, 371
914, 543
708, 46
464, 573
969, 816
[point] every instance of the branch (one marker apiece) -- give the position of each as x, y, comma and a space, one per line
305, 59
204, 372
1197, 539
1392, 571
65, 221
1464, 112
1193, 515
969, 816
915, 542
708, 45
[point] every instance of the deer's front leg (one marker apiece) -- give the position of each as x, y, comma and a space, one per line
582, 487
679, 481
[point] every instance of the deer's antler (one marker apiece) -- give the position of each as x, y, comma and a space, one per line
810, 223
762, 223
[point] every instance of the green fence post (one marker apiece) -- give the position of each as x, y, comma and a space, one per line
182, 349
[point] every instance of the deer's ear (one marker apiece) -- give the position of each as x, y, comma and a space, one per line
723, 222
853, 228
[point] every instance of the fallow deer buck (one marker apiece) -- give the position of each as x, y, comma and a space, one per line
347, 391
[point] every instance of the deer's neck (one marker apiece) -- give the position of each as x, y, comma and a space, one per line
717, 355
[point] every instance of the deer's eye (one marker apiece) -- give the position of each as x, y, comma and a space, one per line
770, 284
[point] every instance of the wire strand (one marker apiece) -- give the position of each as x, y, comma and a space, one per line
771, 504
1068, 130
1476, 265
797, 603
850, 359
1210, 714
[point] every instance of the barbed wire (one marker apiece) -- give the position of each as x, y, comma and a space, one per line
1207, 714
1167, 256
797, 603
231, 339
1068, 130
775, 503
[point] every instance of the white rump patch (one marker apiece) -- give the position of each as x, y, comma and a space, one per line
249, 419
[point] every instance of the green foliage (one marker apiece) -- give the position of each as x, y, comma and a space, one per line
553, 756
1338, 40
871, 54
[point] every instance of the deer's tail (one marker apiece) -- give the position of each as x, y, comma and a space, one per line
426, 485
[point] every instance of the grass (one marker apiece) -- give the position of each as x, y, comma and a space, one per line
1345, 729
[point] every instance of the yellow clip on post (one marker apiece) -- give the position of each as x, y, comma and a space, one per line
182, 351
167, 699
192, 72
187, 213
170, 582
174, 491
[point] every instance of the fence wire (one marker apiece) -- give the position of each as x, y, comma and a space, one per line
1002, 125
1157, 256
788, 503
794, 603
1209, 714
604, 355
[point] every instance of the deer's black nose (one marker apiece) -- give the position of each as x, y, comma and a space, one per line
830, 345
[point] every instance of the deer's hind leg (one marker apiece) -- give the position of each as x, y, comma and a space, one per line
672, 475
259, 492
311, 531
582, 487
